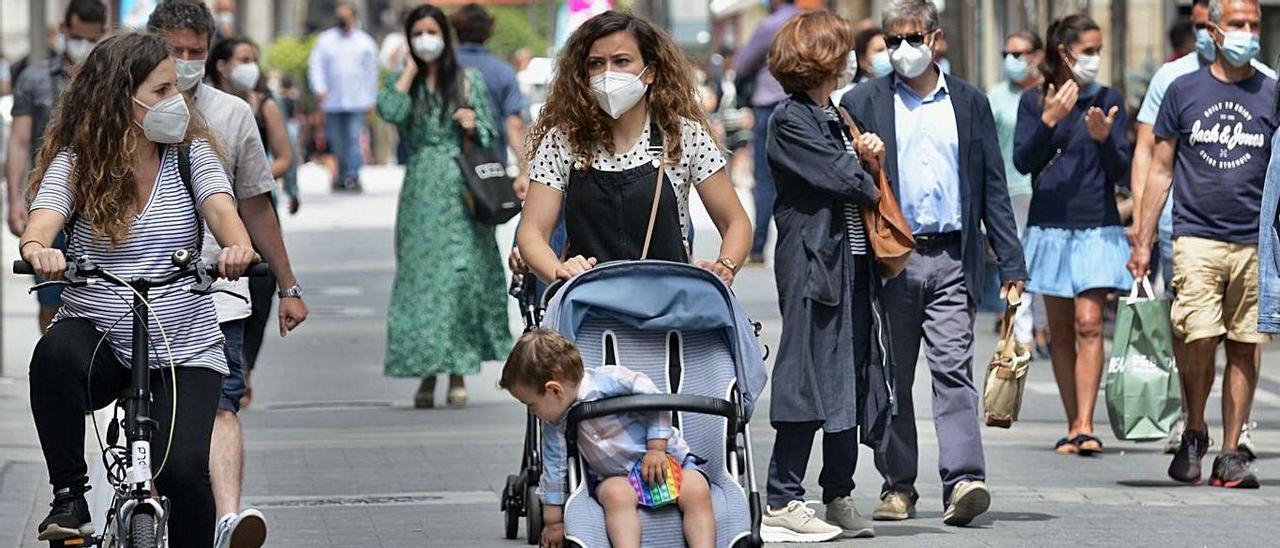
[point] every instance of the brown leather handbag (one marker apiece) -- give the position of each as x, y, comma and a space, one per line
887, 229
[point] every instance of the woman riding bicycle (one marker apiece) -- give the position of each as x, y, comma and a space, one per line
109, 173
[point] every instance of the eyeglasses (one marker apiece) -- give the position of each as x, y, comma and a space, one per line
914, 39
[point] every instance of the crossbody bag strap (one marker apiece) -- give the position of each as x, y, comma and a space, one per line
184, 172
657, 151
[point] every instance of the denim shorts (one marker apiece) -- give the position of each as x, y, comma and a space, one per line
233, 384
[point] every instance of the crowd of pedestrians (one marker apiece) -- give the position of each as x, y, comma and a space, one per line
1025, 176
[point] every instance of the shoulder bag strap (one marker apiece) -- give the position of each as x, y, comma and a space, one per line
657, 151
184, 172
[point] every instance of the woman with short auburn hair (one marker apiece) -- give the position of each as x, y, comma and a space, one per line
829, 373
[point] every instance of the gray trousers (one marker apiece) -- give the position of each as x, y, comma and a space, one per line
929, 302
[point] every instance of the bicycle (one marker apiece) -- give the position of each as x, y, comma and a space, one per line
135, 519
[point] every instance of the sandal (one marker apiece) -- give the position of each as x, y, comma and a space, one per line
1094, 447
1066, 446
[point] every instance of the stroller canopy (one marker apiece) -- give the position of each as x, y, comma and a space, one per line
662, 296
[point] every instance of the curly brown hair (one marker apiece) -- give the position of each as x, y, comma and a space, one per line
571, 108
810, 48
541, 356
94, 120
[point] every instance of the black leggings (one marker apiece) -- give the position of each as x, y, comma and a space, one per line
63, 391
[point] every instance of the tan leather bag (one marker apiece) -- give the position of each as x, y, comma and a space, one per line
887, 229
1007, 372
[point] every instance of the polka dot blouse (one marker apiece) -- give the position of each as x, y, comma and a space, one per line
700, 159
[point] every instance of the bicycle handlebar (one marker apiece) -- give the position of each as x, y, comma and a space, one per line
256, 270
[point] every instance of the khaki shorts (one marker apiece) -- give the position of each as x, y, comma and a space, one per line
1216, 290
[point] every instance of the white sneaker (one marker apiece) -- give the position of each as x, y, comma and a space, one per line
1174, 441
1245, 445
796, 523
248, 529
842, 513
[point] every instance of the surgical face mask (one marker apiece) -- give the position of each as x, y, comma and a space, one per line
246, 75
227, 19
850, 70
78, 50
1239, 47
881, 65
166, 121
617, 92
427, 46
59, 44
1016, 68
1086, 68
911, 61
190, 73
1205, 46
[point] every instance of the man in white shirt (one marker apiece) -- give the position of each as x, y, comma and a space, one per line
187, 25
343, 73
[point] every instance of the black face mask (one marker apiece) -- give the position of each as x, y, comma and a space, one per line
344, 24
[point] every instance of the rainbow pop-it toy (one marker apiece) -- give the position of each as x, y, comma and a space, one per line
659, 495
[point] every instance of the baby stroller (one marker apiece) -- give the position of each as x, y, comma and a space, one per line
519, 496
681, 326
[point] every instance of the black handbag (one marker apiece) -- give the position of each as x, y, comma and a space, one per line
488, 190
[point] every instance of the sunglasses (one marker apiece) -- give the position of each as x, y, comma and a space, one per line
892, 41
1017, 54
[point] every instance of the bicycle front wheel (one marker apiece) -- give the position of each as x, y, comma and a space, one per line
142, 531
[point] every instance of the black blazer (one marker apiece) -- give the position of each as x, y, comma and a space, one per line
984, 196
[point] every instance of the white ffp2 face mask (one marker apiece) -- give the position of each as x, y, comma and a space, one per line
190, 73
850, 70
166, 121
911, 61
78, 50
617, 92
427, 46
246, 75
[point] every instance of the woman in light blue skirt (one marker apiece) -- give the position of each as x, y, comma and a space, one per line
1071, 138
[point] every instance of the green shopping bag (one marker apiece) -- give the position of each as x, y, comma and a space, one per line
1144, 394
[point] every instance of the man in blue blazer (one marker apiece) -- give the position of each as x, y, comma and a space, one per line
945, 167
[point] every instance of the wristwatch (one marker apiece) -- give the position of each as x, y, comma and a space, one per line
294, 292
728, 263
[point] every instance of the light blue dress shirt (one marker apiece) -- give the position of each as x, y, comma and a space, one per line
611, 445
344, 66
928, 158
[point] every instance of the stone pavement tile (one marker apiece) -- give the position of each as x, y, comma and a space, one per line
19, 483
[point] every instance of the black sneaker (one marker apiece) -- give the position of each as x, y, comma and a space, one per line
1233, 470
69, 517
1186, 462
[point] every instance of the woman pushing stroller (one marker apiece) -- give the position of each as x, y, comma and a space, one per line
622, 115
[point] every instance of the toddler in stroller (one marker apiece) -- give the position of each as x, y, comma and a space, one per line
546, 373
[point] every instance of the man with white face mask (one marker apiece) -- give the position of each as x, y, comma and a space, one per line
944, 161
343, 73
35, 95
186, 26
1213, 143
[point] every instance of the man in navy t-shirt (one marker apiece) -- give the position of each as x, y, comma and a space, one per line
1213, 141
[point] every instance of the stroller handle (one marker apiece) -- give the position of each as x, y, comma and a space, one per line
646, 402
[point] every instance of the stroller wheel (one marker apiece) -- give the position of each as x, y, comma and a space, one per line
533, 505
510, 508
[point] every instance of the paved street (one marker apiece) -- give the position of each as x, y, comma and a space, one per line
337, 456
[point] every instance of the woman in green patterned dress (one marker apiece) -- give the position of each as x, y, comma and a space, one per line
448, 306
